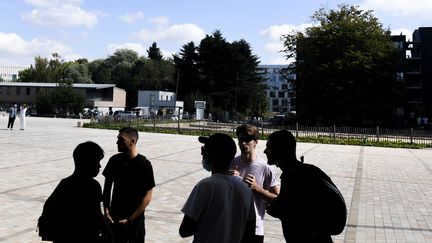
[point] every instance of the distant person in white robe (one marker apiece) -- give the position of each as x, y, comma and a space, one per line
23, 117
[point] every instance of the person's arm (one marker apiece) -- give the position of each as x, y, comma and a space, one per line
187, 227
266, 194
106, 197
141, 208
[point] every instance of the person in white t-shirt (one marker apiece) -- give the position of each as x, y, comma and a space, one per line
220, 208
257, 174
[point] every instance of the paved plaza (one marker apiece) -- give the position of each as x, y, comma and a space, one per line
388, 191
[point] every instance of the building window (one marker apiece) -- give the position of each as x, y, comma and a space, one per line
284, 102
8, 91
37, 90
27, 91
272, 94
281, 94
275, 102
18, 91
399, 76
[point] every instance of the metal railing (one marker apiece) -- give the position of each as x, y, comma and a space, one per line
376, 134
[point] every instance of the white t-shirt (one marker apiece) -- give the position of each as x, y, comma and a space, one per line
222, 205
265, 177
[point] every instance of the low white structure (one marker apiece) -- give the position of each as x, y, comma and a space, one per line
10, 73
154, 101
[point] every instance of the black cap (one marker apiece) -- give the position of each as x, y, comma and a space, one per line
221, 143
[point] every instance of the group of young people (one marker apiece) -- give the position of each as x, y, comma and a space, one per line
228, 206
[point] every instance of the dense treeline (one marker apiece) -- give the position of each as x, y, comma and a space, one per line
223, 74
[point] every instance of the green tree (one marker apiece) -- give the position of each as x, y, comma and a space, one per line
345, 68
76, 72
44, 70
62, 101
189, 84
228, 76
154, 52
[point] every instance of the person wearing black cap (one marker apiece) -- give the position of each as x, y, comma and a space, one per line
220, 208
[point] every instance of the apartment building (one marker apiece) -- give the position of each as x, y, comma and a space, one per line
279, 91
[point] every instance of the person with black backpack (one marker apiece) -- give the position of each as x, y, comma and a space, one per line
309, 204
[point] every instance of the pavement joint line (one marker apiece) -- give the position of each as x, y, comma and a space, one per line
428, 168
37, 163
25, 198
18, 233
169, 154
311, 149
350, 232
388, 227
178, 177
29, 186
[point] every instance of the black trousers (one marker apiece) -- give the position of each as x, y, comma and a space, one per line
11, 122
134, 232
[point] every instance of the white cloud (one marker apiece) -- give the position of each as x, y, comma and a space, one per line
165, 32
160, 22
131, 18
14, 50
275, 32
274, 46
278, 61
167, 54
139, 48
406, 32
51, 3
414, 8
60, 14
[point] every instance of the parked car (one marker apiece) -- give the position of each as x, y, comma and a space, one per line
123, 115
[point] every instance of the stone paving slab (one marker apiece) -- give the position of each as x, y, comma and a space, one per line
388, 191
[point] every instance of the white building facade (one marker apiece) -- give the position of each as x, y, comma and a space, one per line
154, 101
10, 73
279, 90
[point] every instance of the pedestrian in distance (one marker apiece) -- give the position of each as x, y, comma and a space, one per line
256, 173
12, 115
72, 213
309, 205
220, 208
23, 111
130, 176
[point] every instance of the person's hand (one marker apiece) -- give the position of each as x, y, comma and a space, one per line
250, 181
234, 171
123, 221
108, 216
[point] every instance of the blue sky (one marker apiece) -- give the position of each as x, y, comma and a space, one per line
96, 28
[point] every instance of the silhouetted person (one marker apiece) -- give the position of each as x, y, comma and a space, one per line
131, 174
301, 204
76, 200
12, 115
220, 208
257, 174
